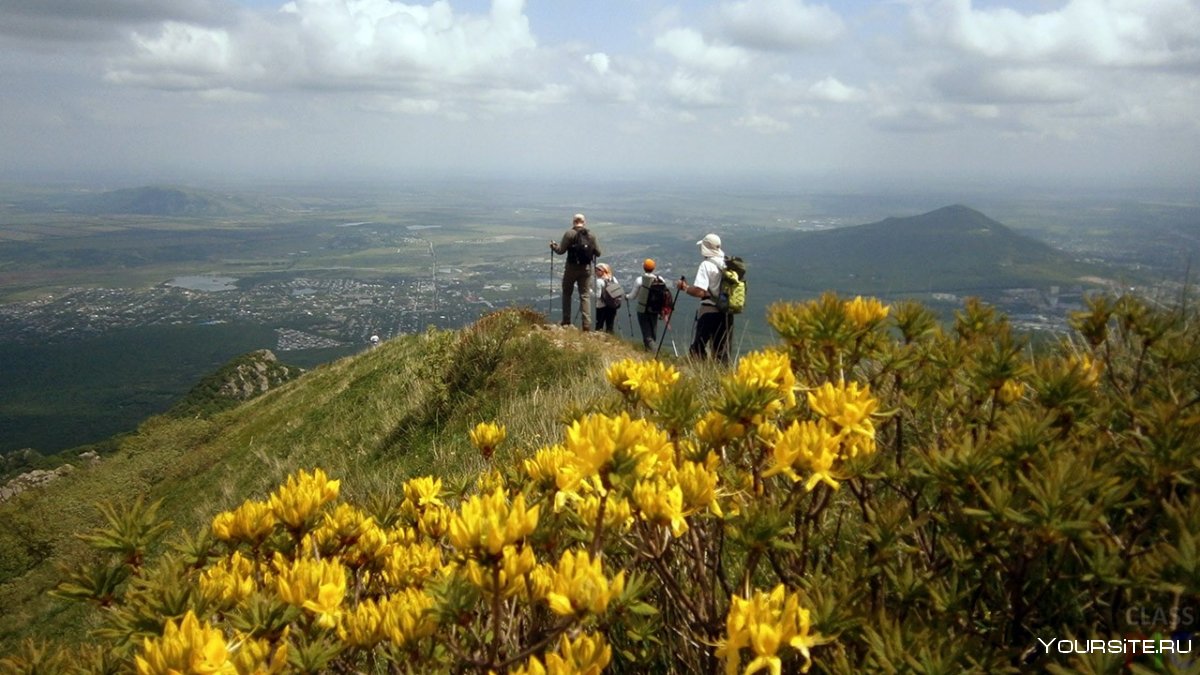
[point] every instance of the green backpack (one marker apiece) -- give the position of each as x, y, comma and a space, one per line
731, 298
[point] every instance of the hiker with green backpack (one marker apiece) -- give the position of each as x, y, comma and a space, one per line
581, 249
721, 287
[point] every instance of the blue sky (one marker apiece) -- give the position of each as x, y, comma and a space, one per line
910, 92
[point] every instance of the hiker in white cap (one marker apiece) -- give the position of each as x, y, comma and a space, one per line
713, 327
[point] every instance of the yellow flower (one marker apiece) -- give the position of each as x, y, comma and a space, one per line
229, 581
299, 499
647, 380
189, 647
422, 492
1010, 392
543, 468
350, 533
318, 586
763, 623
407, 616
808, 446
849, 408
578, 586
486, 437
865, 313
585, 655
698, 484
715, 430
575, 659
506, 576
411, 564
251, 522
363, 625
661, 503
256, 657
769, 370
1089, 368
488, 523
607, 449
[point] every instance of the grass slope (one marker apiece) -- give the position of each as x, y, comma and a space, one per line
374, 420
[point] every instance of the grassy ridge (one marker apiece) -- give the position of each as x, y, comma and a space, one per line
394, 412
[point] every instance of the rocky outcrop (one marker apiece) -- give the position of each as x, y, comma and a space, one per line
40, 477
249, 375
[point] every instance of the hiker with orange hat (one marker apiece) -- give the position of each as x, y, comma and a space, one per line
653, 301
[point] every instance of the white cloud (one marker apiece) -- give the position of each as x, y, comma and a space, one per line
602, 80
832, 90
1121, 33
181, 55
691, 49
598, 61
691, 89
338, 44
763, 124
779, 24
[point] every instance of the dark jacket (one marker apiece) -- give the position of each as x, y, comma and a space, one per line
568, 239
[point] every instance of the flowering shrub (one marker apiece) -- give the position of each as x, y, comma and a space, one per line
876, 494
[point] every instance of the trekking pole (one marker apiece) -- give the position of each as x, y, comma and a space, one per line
667, 325
629, 313
550, 309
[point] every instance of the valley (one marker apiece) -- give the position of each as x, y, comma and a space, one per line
312, 275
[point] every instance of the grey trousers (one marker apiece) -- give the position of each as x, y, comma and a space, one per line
577, 277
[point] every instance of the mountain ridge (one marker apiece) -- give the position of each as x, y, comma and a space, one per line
951, 249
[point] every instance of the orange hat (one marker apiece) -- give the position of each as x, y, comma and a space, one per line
648, 265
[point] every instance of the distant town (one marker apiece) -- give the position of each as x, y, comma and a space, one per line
306, 313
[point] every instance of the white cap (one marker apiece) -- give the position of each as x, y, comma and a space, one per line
710, 246
579, 218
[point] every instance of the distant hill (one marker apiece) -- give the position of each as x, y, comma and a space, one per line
954, 249
158, 201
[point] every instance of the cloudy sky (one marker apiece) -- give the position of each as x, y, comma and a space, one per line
1093, 91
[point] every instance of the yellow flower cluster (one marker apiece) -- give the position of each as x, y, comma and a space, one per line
301, 496
350, 534
644, 381
585, 655
606, 451
318, 586
849, 408
1090, 369
486, 437
228, 581
809, 446
865, 313
1010, 392
487, 523
763, 623
400, 618
251, 522
187, 647
578, 586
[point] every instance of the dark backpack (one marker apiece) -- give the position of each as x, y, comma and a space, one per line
581, 251
658, 296
731, 299
612, 294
